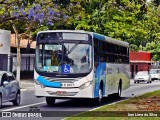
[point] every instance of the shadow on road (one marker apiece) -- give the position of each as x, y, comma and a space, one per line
84, 103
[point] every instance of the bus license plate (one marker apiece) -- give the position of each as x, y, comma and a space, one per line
61, 92
67, 84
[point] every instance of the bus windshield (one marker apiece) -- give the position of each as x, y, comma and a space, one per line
64, 58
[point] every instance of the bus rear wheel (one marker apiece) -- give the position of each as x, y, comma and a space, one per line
50, 101
118, 94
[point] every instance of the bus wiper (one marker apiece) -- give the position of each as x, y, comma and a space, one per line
74, 47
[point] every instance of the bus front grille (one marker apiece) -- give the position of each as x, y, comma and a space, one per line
62, 94
60, 80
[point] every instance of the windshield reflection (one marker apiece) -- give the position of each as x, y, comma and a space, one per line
64, 58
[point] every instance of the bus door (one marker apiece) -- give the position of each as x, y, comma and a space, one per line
99, 68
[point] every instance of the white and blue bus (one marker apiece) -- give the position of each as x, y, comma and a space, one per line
79, 64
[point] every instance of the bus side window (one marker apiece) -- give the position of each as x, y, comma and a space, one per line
96, 53
115, 49
96, 45
119, 49
95, 61
102, 54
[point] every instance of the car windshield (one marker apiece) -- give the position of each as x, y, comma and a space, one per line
142, 73
64, 58
153, 71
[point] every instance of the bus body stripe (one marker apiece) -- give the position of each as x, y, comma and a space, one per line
101, 37
47, 83
100, 74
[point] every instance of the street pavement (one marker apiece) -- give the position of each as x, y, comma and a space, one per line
141, 88
72, 106
27, 84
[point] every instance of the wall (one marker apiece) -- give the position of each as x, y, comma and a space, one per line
140, 56
3, 62
5, 50
5, 37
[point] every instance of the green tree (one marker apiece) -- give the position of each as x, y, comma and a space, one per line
154, 48
133, 21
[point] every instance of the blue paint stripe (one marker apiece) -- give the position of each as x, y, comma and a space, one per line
47, 83
98, 36
100, 71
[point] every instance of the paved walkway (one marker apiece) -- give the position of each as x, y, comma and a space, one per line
27, 84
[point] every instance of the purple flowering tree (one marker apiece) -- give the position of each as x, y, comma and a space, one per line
28, 15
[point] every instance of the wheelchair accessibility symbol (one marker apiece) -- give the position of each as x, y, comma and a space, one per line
66, 69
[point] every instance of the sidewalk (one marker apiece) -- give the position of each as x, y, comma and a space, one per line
27, 84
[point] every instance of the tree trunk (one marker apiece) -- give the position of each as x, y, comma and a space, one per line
18, 40
18, 62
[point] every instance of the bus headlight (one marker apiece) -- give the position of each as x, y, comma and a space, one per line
83, 86
38, 83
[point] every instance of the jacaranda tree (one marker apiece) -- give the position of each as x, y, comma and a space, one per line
26, 16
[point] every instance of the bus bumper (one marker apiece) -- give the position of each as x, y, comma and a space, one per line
64, 92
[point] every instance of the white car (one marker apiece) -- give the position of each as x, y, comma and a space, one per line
142, 76
155, 74
9, 88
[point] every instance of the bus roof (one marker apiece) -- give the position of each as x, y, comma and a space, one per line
95, 35
78, 31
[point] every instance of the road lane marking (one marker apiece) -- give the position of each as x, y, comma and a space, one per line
23, 106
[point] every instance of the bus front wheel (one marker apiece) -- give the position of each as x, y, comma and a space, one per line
98, 100
50, 101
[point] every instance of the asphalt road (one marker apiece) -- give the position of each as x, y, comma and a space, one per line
68, 107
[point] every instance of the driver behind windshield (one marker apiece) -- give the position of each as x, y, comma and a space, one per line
54, 59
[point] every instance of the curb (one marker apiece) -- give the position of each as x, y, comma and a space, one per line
22, 89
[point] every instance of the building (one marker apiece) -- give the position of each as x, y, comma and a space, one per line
4, 49
8, 53
140, 61
27, 57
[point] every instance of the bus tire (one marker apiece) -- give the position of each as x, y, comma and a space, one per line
118, 94
50, 101
98, 101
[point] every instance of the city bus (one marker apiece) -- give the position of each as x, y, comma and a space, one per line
79, 64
